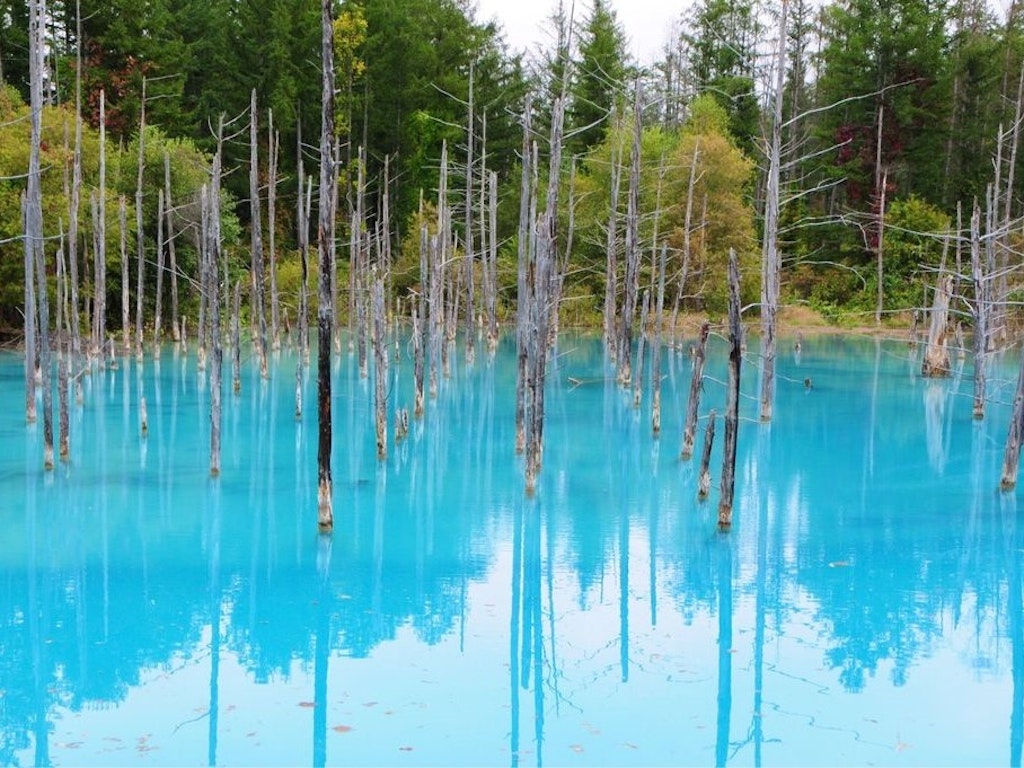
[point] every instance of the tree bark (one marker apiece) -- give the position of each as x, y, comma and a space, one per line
704, 476
696, 385
732, 402
936, 361
259, 319
325, 236
980, 337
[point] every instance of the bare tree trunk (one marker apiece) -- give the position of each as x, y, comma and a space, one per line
418, 317
140, 241
881, 182
380, 360
100, 248
687, 234
638, 379
75, 198
213, 290
64, 351
1011, 453
492, 266
259, 319
358, 266
732, 402
656, 346
158, 309
704, 476
325, 236
126, 326
632, 249
527, 215
171, 252
611, 258
771, 261
936, 356
469, 261
275, 299
980, 338
236, 341
696, 385
31, 342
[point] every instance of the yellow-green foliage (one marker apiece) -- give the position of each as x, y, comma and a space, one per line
722, 217
190, 169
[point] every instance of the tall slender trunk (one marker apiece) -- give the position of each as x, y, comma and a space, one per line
171, 252
259, 319
275, 299
140, 241
732, 402
325, 236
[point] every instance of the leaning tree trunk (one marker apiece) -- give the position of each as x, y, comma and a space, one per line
325, 236
732, 402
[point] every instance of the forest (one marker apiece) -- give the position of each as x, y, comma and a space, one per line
896, 119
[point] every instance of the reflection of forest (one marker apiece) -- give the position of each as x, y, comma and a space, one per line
868, 504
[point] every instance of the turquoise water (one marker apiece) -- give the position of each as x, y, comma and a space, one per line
865, 609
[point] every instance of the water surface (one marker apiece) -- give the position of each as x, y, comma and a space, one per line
865, 609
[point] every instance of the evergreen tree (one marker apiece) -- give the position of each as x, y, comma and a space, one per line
598, 77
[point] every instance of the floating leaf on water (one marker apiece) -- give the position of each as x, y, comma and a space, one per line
839, 564
342, 728
405, 749
307, 704
627, 745
370, 704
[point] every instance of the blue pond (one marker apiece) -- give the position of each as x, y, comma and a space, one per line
865, 609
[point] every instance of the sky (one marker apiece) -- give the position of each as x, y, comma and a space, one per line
646, 22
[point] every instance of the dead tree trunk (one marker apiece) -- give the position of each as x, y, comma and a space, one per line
172, 255
275, 299
158, 308
99, 330
1011, 453
126, 326
704, 476
656, 346
419, 355
259, 319
936, 356
75, 202
325, 234
468, 206
64, 352
696, 385
31, 342
140, 242
981, 304
527, 214
611, 257
638, 379
492, 265
632, 275
213, 290
771, 261
380, 361
732, 402
236, 341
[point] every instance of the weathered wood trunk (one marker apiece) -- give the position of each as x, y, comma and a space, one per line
632, 275
159, 305
259, 319
492, 265
126, 326
99, 332
214, 308
140, 240
732, 402
526, 211
325, 236
470, 256
31, 342
65, 353
696, 385
419, 354
687, 234
611, 275
656, 345
274, 142
936, 355
236, 341
704, 476
980, 306
380, 362
1011, 453
638, 379
771, 259
172, 254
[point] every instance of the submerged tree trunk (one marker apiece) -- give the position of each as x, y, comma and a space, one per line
380, 361
325, 236
1011, 453
704, 476
696, 385
936, 356
732, 402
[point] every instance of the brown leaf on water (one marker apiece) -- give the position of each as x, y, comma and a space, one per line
342, 728
370, 704
307, 704
405, 749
